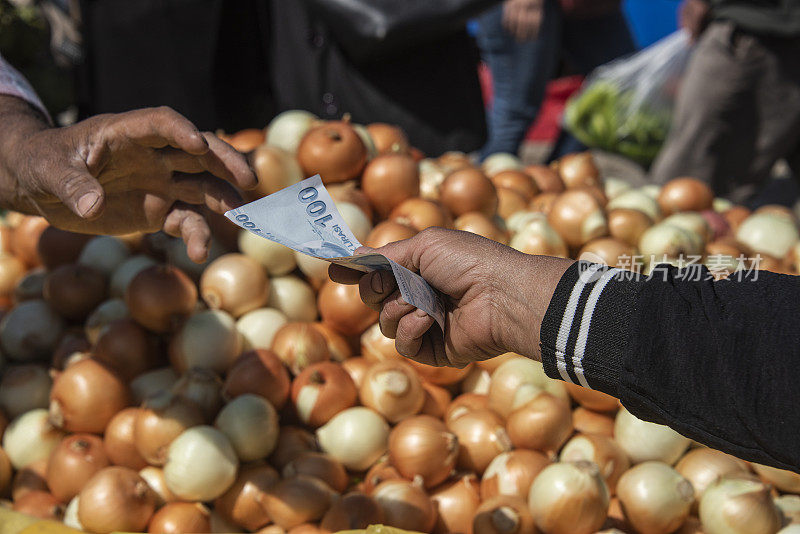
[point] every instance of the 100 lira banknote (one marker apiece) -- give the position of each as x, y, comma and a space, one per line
304, 218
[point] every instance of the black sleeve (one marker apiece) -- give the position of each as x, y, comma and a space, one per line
715, 360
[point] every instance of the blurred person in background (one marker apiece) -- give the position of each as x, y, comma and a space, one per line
523, 42
738, 110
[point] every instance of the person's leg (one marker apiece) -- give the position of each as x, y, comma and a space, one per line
520, 72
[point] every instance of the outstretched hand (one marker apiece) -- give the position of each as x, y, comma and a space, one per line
495, 297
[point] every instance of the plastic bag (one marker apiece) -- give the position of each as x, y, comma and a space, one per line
626, 106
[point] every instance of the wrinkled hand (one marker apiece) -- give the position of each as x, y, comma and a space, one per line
143, 170
694, 16
523, 18
495, 297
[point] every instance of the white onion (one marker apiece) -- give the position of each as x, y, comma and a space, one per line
30, 331
636, 199
24, 388
355, 219
738, 505
520, 219
152, 382
656, 498
251, 424
258, 327
288, 128
276, 258
201, 464
71, 514
356, 437
30, 437
767, 233
431, 176
106, 313
208, 339
651, 190
539, 237
126, 271
501, 161
519, 380
614, 187
642, 440
104, 253
293, 297
313, 268
665, 241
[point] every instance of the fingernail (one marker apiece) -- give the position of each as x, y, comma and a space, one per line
377, 283
420, 313
87, 202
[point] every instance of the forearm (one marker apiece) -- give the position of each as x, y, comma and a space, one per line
714, 360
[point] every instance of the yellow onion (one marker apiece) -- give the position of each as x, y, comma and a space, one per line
338, 344
500, 162
6, 473
789, 506
388, 180
388, 232
420, 214
510, 202
321, 391
421, 446
482, 225
579, 170
24, 388
74, 290
388, 138
348, 193
517, 181
589, 422
201, 464
405, 505
234, 283
545, 178
321, 466
504, 514
437, 399
578, 217
592, 399
293, 297
275, 168
160, 298
120, 442
665, 242
602, 451
31, 478
768, 233
465, 403
250, 423
543, 423
738, 505
356, 437
76, 459
702, 467
260, 372
209, 340
642, 440
481, 437
685, 194
467, 190
258, 327
537, 237
277, 259
244, 502
163, 418
39, 504
628, 225
519, 380
179, 517
456, 502
610, 251
375, 347
333, 150
655, 498
393, 389
637, 200
380, 472
477, 381
352, 511
512, 473
297, 500
126, 348
299, 345
116, 499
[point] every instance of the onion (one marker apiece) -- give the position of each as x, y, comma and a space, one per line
519, 380
481, 437
259, 372
422, 447
509, 202
275, 169
419, 214
180, 517
642, 440
393, 389
154, 476
339, 346
57, 247
388, 180
152, 382
477, 381
579, 170
321, 466
321, 391
789, 506
685, 194
437, 399
104, 253
539, 238
6, 473
569, 498
517, 181
466, 403
405, 505
24, 388
274, 257
41, 505
388, 232
512, 473
504, 514
223, 526
734, 505
286, 129
30, 331
651, 190
30, 286
469, 190
72, 343
356, 219
244, 502
478, 223
85, 396
545, 178
614, 187
293, 297
297, 500
341, 307
25, 239
602, 451
163, 418
247, 139
12, 271
352, 511
203, 387
592, 399
692, 222
160, 298
544, 423
126, 272
71, 515
30, 478
787, 481
454, 160
292, 441
201, 464
456, 503
250, 423
431, 176
314, 268
628, 225
702, 467
380, 472
577, 217
388, 138
441, 376
500, 162
105, 314
610, 251
356, 367
768, 233
636, 200
735, 216
356, 437
208, 339
126, 348
375, 347
119, 440
299, 345
667, 242
333, 150
258, 327
116, 499
347, 194
76, 459
234, 283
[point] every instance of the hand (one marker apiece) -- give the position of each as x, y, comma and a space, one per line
522, 18
143, 170
495, 296
694, 16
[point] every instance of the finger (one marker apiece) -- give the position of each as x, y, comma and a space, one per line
375, 287
224, 161
344, 275
410, 332
394, 308
219, 196
186, 222
159, 127
80, 192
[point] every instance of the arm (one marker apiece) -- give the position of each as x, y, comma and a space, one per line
714, 360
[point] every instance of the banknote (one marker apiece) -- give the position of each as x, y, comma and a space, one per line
304, 218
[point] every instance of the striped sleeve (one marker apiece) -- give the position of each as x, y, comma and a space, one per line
12, 83
587, 326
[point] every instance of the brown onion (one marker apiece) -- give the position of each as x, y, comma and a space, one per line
578, 217
234, 283
275, 169
655, 498
85, 396
152, 382
388, 138
76, 459
260, 372
338, 345
333, 150
589, 422
592, 399
628, 225
504, 514
388, 232
25, 239
292, 441
321, 466
602, 451
356, 367
341, 307
202, 387
702, 467
180, 517
161, 297
437, 400
126, 348
579, 170
545, 178
352, 511
74, 290
58, 247
393, 389
299, 345
735, 216
119, 440
162, 419
375, 347
685, 194
465, 403
478, 223
543, 202
380, 471
247, 139
297, 500
30, 331
441, 376
40, 504
468, 190
544, 423
116, 499
481, 437
517, 181
244, 502
421, 446
512, 473
388, 180
71, 342
321, 391
509, 202
405, 505
456, 503
24, 388
419, 214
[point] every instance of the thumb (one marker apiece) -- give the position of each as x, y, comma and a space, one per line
81, 193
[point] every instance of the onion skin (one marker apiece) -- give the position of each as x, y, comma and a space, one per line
234, 283
244, 502
116, 499
341, 307
388, 138
85, 396
420, 214
338, 345
701, 467
546, 179
388, 180
592, 399
160, 298
481, 437
321, 391
119, 440
465, 403
297, 500
512, 473
126, 348
259, 372
40, 504
405, 506
292, 441
299, 345
375, 347
736, 504
74, 290
650, 508
393, 389
354, 510
467, 190
77, 458
321, 466
388, 232
456, 503
602, 451
334, 151
685, 194
162, 419
579, 170
421, 446
505, 514
544, 423
181, 517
